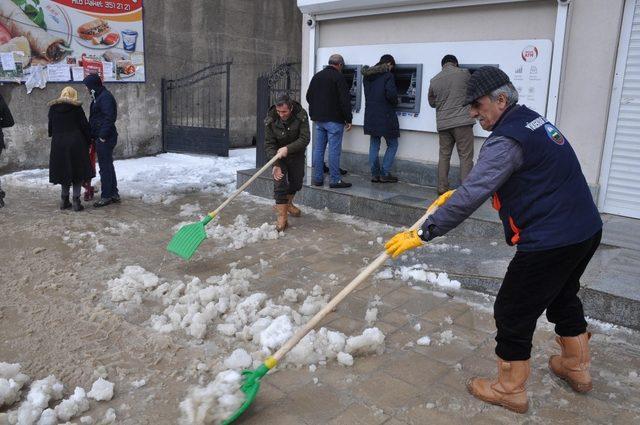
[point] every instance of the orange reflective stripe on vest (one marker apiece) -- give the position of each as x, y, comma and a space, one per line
512, 224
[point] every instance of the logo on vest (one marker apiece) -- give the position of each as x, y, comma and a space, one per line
554, 134
536, 124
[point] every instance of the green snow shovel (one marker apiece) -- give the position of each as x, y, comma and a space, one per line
252, 378
185, 243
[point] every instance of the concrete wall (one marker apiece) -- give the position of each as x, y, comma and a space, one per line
180, 37
588, 67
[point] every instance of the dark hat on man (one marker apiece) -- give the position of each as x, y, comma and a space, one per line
483, 81
92, 81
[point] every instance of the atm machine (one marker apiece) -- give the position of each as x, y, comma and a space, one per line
409, 84
353, 75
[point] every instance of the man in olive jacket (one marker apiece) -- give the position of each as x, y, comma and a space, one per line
455, 127
287, 134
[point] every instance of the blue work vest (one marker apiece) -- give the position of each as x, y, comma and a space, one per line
546, 203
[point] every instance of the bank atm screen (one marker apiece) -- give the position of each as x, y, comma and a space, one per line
409, 85
354, 81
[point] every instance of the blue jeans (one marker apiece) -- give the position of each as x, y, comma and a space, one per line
108, 181
327, 133
389, 156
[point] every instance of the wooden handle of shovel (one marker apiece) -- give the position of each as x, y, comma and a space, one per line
342, 294
238, 191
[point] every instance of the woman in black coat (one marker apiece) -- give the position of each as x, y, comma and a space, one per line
70, 138
380, 120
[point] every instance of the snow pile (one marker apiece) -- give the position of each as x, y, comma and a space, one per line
371, 341
34, 409
314, 302
425, 340
419, 273
101, 390
240, 234
68, 408
239, 359
156, 178
11, 382
215, 402
446, 337
131, 285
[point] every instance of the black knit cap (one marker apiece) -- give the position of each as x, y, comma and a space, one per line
483, 81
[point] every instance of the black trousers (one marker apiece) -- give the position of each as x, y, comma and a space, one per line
536, 281
292, 167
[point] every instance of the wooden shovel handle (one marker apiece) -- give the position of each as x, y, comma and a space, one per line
342, 294
212, 214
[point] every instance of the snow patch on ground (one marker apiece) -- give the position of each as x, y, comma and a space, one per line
159, 178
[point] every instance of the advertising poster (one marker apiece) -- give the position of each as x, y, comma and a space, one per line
104, 36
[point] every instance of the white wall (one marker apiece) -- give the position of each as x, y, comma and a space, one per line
585, 90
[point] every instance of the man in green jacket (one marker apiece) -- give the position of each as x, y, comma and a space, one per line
287, 134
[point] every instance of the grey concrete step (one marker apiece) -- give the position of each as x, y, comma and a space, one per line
610, 286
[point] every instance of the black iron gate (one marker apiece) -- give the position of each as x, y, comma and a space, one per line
284, 78
195, 111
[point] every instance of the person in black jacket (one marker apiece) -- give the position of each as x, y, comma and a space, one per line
330, 109
380, 120
102, 119
70, 138
6, 120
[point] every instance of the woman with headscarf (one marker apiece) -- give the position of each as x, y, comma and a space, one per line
70, 138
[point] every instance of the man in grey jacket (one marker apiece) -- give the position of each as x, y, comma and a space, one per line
455, 126
530, 169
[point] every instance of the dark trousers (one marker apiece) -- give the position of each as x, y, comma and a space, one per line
293, 169
107, 171
536, 281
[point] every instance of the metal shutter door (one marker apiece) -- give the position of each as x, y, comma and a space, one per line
622, 194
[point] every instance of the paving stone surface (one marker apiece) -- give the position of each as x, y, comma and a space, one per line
53, 321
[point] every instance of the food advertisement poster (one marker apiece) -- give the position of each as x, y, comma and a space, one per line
65, 40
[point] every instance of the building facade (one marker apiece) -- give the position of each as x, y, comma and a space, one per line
574, 61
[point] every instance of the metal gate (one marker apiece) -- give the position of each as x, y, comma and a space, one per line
195, 111
284, 78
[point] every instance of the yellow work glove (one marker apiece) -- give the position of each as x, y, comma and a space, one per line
442, 199
402, 242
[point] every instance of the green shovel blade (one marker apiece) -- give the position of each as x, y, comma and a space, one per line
250, 388
185, 243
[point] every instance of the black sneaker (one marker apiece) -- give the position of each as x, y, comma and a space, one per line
2, 198
388, 179
375, 179
315, 183
326, 170
115, 199
64, 203
341, 184
103, 202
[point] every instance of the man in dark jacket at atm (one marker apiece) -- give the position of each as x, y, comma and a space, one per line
547, 211
380, 119
330, 109
102, 119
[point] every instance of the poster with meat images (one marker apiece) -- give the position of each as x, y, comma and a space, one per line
45, 36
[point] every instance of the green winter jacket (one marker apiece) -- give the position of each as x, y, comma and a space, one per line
294, 133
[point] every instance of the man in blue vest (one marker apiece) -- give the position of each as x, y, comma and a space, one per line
547, 211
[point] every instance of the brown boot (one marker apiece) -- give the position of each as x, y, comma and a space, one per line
573, 364
292, 209
507, 390
281, 222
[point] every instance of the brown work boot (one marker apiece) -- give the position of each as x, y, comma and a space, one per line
281, 223
573, 364
507, 390
292, 209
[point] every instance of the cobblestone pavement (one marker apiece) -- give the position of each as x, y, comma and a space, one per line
55, 320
